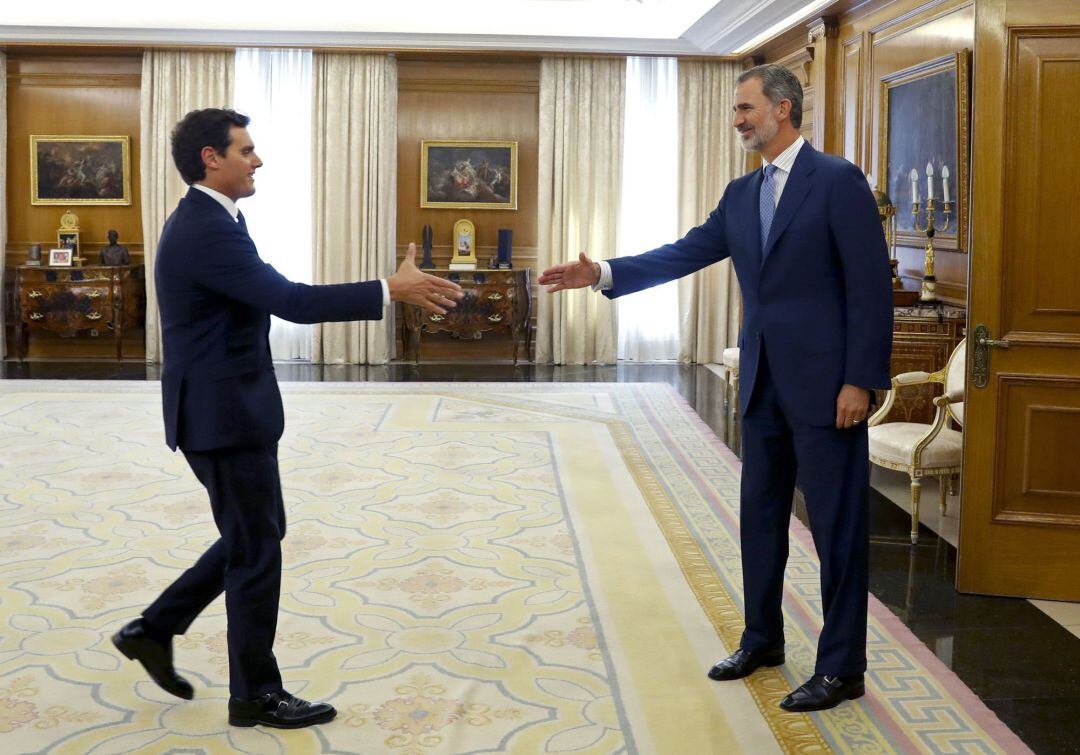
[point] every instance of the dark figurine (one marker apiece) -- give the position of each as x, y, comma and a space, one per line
426, 236
115, 254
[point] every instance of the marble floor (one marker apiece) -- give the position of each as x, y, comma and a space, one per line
1021, 657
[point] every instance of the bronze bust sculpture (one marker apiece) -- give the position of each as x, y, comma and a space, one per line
115, 254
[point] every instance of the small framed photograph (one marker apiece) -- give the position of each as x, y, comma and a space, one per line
60, 257
476, 175
68, 239
80, 170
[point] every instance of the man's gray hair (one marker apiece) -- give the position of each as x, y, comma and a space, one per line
778, 83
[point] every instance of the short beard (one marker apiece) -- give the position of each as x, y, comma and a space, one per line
762, 135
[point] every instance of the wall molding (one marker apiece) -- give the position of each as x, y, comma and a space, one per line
467, 85
69, 81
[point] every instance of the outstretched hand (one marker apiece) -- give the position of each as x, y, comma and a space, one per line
413, 286
578, 274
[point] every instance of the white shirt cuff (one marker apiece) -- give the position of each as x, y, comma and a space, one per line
605, 281
385, 292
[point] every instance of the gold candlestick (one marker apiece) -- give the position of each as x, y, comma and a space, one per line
927, 291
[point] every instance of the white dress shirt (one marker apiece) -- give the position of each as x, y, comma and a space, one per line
234, 212
783, 162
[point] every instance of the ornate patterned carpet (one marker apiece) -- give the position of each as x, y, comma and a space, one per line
469, 568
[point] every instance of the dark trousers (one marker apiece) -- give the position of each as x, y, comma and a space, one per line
245, 563
831, 468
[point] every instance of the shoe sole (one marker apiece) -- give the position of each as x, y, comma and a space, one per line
855, 694
248, 722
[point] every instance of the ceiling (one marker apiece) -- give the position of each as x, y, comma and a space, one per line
674, 27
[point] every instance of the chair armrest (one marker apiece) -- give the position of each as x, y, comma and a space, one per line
883, 410
912, 378
932, 432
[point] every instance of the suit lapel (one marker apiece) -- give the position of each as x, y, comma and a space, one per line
753, 228
795, 191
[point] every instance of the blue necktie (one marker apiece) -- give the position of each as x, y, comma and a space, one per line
767, 205
240, 220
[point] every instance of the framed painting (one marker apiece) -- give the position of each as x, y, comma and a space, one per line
80, 170
475, 175
924, 119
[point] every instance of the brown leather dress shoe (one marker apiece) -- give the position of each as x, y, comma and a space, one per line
743, 663
155, 656
280, 710
821, 692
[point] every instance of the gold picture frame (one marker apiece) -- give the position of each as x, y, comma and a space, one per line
468, 175
80, 170
925, 117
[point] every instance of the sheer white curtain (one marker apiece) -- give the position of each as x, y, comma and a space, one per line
273, 87
648, 321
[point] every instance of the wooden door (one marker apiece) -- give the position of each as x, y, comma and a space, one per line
1020, 521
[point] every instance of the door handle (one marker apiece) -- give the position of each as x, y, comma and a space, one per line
980, 358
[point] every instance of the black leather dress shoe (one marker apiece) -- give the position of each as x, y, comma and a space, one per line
743, 663
155, 656
280, 710
822, 692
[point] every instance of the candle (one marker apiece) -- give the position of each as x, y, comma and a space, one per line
945, 181
929, 182
914, 186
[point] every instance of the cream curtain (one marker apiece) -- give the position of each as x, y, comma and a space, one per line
709, 157
3, 201
174, 82
580, 176
354, 135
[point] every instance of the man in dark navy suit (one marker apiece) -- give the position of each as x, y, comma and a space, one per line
809, 252
223, 409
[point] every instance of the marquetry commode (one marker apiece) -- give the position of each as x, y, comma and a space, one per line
495, 300
70, 300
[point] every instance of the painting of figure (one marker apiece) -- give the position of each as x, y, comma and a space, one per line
80, 170
475, 174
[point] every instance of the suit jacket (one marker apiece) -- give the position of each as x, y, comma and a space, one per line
216, 297
819, 294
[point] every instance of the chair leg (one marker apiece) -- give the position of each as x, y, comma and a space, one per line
943, 484
916, 490
953, 479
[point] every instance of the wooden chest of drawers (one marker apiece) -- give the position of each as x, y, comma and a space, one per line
495, 300
923, 339
66, 301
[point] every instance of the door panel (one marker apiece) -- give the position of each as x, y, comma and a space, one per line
1020, 519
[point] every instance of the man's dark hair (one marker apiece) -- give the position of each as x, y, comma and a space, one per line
198, 129
778, 83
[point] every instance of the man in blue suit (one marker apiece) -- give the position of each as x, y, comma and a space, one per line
223, 410
808, 248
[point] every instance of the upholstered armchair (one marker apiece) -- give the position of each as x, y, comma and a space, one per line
919, 449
